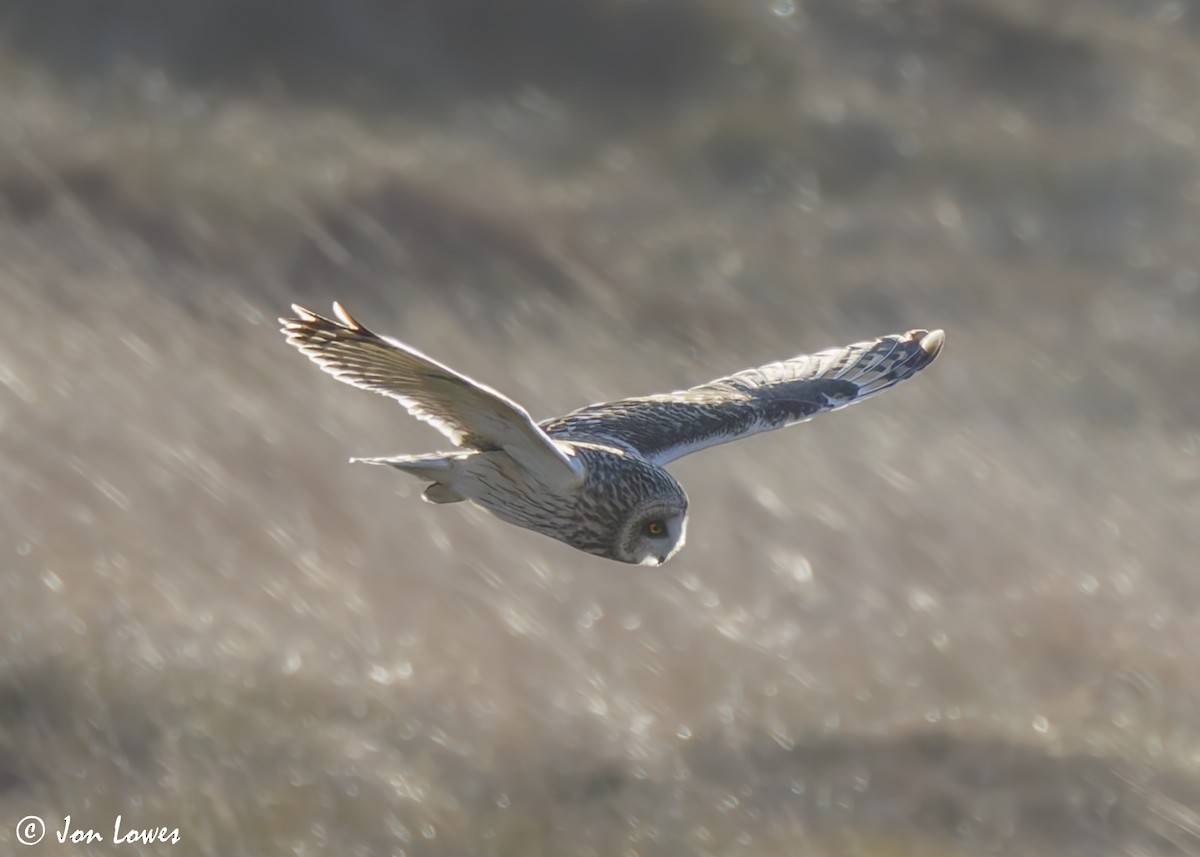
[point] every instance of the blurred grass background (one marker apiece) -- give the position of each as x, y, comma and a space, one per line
963, 619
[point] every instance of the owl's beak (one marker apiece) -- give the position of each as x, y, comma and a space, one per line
659, 560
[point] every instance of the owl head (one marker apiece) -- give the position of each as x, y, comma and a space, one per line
652, 533
632, 510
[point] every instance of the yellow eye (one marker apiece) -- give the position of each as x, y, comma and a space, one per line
655, 528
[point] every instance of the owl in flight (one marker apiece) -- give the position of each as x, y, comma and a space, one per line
593, 478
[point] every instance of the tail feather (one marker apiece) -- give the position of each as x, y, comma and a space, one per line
431, 468
425, 466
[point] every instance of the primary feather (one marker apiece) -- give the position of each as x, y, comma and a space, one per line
470, 414
669, 425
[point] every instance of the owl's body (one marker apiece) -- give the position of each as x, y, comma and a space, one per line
594, 478
620, 491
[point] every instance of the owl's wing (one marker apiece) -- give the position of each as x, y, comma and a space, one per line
665, 427
468, 413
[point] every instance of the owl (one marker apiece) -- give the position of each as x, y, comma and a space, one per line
593, 478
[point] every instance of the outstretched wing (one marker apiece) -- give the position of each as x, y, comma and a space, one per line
468, 413
665, 427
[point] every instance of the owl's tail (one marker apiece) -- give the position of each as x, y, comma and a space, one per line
431, 468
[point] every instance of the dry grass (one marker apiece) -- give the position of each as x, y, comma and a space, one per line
959, 620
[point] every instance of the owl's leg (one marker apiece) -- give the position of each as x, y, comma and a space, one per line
439, 492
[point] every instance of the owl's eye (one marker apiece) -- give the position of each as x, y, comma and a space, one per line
656, 528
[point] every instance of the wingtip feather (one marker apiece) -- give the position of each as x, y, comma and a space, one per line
344, 317
932, 342
305, 323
